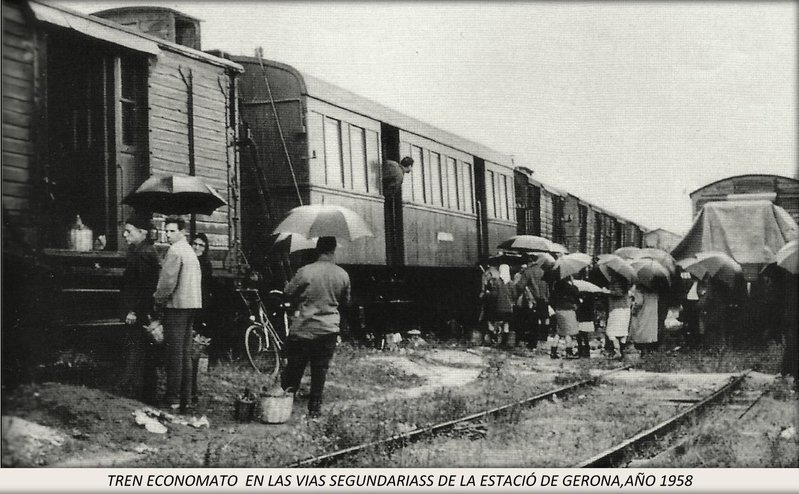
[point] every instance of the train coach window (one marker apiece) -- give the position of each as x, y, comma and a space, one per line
467, 197
436, 185
418, 174
452, 183
491, 202
334, 166
503, 197
358, 158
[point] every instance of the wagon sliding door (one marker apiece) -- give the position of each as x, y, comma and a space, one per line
94, 128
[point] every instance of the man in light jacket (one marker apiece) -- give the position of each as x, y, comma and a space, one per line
179, 294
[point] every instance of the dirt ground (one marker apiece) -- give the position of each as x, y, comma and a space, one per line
57, 424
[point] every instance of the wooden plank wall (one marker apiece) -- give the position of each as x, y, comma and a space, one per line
438, 238
169, 138
18, 73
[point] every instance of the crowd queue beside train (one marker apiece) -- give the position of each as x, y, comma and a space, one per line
95, 105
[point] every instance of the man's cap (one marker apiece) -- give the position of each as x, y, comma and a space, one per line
140, 221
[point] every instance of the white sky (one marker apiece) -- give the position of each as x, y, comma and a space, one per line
628, 105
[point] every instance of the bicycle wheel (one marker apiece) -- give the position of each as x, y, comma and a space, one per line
262, 352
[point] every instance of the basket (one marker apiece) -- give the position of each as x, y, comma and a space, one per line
276, 409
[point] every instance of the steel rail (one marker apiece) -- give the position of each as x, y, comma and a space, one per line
612, 456
416, 434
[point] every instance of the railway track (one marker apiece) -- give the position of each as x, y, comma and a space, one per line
615, 456
400, 440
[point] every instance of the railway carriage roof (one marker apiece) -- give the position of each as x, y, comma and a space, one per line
330, 93
117, 34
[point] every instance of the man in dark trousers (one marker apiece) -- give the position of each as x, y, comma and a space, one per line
318, 290
179, 294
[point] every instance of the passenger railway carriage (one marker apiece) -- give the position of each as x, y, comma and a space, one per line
317, 143
93, 105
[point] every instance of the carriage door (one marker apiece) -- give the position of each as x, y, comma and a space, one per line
395, 247
481, 208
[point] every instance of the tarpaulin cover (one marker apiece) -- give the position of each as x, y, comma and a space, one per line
750, 232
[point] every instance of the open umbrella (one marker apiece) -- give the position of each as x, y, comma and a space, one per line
661, 256
588, 287
175, 194
571, 264
787, 257
295, 242
612, 262
530, 243
714, 264
505, 258
325, 220
559, 249
651, 274
628, 253
543, 260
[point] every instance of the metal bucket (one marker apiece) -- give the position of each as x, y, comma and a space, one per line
476, 337
510, 339
276, 409
244, 410
632, 356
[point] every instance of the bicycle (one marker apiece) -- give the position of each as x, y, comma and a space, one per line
262, 340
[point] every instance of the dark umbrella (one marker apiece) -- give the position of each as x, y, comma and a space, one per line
714, 264
175, 194
651, 274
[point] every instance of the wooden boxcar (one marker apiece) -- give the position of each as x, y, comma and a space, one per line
564, 218
782, 191
317, 143
90, 110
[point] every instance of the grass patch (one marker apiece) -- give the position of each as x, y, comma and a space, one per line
712, 360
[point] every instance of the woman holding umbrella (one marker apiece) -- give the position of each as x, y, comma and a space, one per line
652, 278
565, 299
644, 317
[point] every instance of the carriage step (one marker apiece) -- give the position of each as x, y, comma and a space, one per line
94, 323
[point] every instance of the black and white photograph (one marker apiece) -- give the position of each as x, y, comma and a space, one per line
408, 237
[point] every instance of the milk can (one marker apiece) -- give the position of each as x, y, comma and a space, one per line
80, 236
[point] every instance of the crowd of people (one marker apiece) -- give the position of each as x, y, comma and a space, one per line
174, 294
529, 303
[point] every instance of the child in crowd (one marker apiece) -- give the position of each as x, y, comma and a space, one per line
618, 313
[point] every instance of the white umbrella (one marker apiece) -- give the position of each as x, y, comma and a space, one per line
532, 243
295, 241
571, 264
588, 287
612, 262
325, 220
